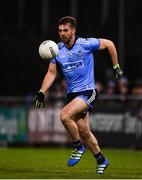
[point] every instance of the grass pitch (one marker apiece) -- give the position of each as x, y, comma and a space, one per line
19, 163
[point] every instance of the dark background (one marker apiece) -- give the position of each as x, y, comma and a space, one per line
26, 23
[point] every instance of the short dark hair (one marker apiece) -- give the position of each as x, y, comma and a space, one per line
67, 19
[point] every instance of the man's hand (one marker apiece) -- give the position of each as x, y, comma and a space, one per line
118, 73
39, 100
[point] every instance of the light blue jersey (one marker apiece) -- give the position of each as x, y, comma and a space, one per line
77, 64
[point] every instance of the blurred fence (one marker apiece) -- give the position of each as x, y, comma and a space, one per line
116, 121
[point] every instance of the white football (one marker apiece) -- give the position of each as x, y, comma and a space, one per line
48, 49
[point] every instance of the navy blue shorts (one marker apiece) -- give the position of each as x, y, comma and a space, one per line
88, 96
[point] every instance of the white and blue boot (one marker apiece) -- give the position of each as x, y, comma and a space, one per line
76, 156
101, 167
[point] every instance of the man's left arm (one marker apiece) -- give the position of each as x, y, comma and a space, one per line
109, 45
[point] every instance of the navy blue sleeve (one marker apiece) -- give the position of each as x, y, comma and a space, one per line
54, 61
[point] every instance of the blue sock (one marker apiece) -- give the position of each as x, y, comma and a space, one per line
100, 158
77, 144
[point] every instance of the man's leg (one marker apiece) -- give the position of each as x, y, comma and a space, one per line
92, 143
87, 136
69, 115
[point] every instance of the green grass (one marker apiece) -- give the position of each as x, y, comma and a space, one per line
51, 164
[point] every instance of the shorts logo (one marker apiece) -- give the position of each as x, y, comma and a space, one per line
92, 98
73, 65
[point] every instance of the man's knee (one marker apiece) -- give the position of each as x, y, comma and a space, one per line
64, 116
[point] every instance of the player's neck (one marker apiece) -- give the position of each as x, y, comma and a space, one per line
71, 42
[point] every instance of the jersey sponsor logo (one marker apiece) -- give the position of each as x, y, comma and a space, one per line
73, 65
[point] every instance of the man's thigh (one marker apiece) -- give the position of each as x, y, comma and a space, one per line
75, 109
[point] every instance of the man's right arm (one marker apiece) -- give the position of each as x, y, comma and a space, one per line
49, 78
46, 84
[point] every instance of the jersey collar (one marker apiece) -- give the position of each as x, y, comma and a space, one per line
76, 37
